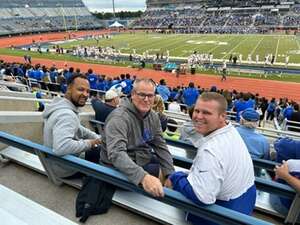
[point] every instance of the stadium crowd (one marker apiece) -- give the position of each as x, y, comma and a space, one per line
214, 20
186, 96
153, 171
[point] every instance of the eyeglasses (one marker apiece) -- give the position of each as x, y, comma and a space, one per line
144, 95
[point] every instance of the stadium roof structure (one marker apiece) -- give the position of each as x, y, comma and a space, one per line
116, 24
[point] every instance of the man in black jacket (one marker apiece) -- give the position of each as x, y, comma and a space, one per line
102, 110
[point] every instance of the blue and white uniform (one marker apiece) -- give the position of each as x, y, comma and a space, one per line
222, 173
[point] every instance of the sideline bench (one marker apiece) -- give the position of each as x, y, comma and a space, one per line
16, 209
213, 212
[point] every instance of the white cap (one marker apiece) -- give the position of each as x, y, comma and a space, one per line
111, 94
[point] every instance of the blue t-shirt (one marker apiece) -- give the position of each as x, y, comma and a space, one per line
163, 91
241, 106
190, 96
92, 80
257, 144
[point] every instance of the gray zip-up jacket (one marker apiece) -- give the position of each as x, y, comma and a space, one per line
129, 140
64, 133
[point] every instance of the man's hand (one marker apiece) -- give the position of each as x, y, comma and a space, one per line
152, 185
95, 142
282, 171
168, 184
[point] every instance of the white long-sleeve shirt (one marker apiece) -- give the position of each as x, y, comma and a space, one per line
222, 168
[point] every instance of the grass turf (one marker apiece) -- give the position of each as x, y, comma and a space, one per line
221, 46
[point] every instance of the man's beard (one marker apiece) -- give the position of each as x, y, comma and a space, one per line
77, 104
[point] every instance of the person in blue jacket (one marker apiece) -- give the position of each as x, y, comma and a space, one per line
92, 78
163, 90
257, 144
190, 95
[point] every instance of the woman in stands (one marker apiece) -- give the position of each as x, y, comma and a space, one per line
159, 107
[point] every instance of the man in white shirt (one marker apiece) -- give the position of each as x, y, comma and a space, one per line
222, 171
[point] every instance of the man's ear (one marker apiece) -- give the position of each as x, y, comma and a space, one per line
223, 115
68, 91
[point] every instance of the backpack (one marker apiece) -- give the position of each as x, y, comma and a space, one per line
95, 197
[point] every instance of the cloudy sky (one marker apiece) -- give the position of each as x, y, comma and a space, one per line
106, 5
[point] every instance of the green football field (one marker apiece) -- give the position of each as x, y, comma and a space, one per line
221, 46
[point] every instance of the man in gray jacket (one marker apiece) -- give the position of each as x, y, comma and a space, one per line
133, 141
62, 129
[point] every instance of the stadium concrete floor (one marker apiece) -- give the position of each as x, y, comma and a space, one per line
62, 199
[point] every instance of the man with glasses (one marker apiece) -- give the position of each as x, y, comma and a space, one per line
133, 141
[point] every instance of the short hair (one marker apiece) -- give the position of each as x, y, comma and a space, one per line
248, 124
191, 85
162, 82
213, 96
71, 80
143, 80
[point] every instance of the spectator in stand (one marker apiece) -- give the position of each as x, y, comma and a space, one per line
257, 144
241, 104
271, 109
53, 74
45, 74
92, 78
35, 73
296, 118
190, 95
173, 94
101, 84
128, 87
133, 141
118, 87
289, 171
163, 90
262, 106
69, 74
63, 131
288, 111
222, 171
174, 107
102, 110
159, 107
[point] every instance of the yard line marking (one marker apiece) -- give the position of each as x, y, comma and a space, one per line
297, 43
235, 47
213, 48
189, 47
276, 52
169, 40
256, 46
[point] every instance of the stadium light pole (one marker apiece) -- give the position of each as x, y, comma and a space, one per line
75, 16
113, 4
62, 11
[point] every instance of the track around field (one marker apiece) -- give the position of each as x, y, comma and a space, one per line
267, 88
